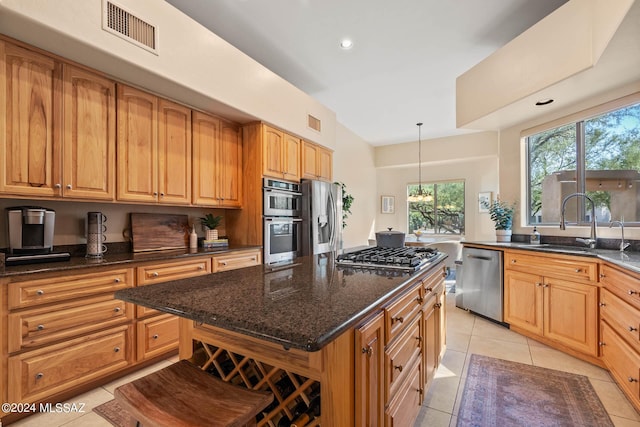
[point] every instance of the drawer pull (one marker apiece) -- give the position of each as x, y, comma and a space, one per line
116, 349
397, 319
398, 367
632, 380
155, 274
632, 292
420, 300
438, 305
429, 289
39, 376
117, 280
513, 261
41, 292
201, 267
223, 262
444, 274
367, 350
40, 327
578, 270
631, 329
117, 309
419, 339
155, 337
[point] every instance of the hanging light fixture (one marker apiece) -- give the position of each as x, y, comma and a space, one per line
420, 196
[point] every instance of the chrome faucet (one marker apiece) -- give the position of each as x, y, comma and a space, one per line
623, 245
593, 239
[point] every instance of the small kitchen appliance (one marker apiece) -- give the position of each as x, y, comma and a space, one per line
31, 236
95, 234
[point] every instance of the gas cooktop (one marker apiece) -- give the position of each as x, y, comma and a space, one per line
405, 258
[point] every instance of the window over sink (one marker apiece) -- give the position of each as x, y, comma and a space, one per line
598, 154
442, 211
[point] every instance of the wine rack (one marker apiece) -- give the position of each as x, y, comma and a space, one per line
295, 396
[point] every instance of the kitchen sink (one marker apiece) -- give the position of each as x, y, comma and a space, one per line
548, 247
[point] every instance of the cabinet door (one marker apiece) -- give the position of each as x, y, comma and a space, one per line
431, 349
325, 164
370, 373
229, 176
30, 114
291, 158
137, 145
174, 153
309, 160
89, 137
571, 314
206, 134
523, 303
272, 149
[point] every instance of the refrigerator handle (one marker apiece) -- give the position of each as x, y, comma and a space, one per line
332, 222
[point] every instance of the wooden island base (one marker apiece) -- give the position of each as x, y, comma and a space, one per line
294, 376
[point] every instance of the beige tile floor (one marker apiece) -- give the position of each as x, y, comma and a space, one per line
466, 334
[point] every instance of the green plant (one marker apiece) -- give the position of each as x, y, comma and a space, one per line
501, 214
347, 201
210, 221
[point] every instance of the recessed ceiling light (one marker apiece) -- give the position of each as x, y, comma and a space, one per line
544, 101
346, 44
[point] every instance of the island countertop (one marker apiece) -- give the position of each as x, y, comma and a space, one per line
304, 306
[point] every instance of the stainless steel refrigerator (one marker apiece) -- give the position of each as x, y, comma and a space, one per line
321, 217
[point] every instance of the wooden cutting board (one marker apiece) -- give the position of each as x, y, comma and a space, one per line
153, 232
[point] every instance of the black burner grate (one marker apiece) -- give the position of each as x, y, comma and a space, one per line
407, 258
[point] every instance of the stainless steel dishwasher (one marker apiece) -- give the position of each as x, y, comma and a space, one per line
479, 288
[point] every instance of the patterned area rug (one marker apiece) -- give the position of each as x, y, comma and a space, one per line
502, 393
113, 413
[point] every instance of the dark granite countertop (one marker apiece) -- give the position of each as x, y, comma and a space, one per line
303, 306
628, 260
114, 258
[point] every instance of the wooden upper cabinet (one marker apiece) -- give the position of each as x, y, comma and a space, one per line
217, 162
154, 149
30, 112
317, 162
89, 136
280, 154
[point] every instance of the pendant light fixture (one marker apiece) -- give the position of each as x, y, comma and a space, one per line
420, 196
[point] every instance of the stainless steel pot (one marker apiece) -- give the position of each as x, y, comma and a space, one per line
390, 239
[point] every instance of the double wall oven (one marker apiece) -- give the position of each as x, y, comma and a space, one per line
282, 214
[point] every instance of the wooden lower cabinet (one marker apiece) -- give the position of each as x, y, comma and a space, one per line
370, 372
156, 335
622, 361
236, 260
404, 407
36, 374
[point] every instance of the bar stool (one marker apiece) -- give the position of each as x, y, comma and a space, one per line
183, 395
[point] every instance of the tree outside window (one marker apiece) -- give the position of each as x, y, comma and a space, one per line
599, 156
442, 212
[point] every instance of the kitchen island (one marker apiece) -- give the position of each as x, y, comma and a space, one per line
303, 331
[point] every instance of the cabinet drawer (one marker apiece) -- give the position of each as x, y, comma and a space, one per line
43, 325
40, 373
622, 317
404, 407
625, 286
236, 260
568, 267
157, 335
431, 282
400, 312
402, 353
54, 289
158, 273
622, 361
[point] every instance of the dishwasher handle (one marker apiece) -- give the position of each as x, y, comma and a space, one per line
483, 258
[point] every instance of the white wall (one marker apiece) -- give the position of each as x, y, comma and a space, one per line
512, 167
472, 158
354, 164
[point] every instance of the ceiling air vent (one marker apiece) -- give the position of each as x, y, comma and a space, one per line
313, 123
126, 25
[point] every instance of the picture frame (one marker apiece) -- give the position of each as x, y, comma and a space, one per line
388, 204
484, 197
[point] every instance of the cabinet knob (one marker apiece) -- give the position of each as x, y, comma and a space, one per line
632, 380
419, 300
632, 292
513, 261
68, 186
398, 367
40, 292
155, 194
57, 186
602, 276
367, 350
40, 327
545, 286
444, 274
438, 305
429, 289
161, 194
117, 309
578, 270
397, 319
538, 284
117, 280
223, 262
155, 337
116, 349
155, 274
602, 304
39, 376
601, 343
631, 329
201, 267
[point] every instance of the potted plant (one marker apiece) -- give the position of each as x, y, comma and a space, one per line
501, 214
347, 201
210, 222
